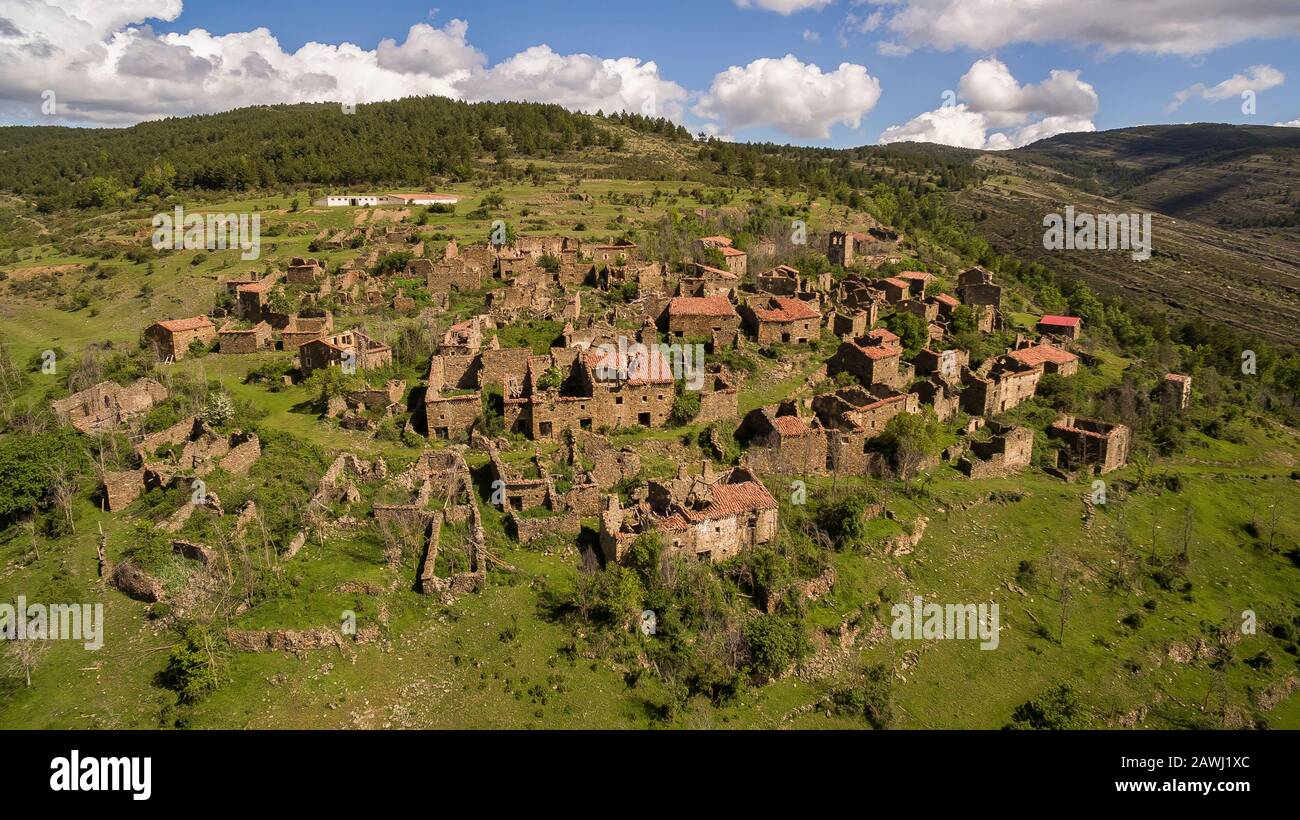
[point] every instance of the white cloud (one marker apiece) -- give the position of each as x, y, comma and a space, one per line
798, 98
810, 36
991, 98
580, 82
784, 7
106, 66
1295, 123
951, 125
1149, 26
1257, 78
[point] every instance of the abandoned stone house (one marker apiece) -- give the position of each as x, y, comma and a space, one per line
1007, 385
613, 254
782, 280
975, 286
304, 271
917, 282
465, 338
351, 348
710, 517
307, 325
871, 360
1065, 327
1176, 392
253, 300
711, 318
1051, 358
704, 281
453, 273
1091, 443
604, 389
649, 277
895, 290
170, 340
781, 319
855, 293
946, 364
778, 442
863, 410
927, 309
232, 338
736, 259
947, 303
943, 395
1009, 450
108, 405
854, 323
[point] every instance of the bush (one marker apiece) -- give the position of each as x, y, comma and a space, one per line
191, 670
774, 643
1057, 709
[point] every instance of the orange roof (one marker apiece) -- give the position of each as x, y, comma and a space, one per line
786, 309
1038, 354
733, 499
875, 352
916, 275
725, 274
716, 240
884, 334
700, 306
178, 325
947, 299
896, 282
1060, 321
727, 250
791, 426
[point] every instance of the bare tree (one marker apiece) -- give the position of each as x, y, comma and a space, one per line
23, 656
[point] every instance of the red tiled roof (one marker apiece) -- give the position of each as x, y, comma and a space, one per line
875, 352
193, 323
896, 282
725, 274
734, 499
1060, 321
884, 334
727, 250
1038, 354
916, 275
947, 299
700, 306
724, 241
787, 310
791, 426
642, 366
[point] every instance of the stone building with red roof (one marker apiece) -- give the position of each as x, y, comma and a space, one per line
711, 517
170, 339
783, 319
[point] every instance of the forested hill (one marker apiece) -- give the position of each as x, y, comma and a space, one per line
419, 141
403, 141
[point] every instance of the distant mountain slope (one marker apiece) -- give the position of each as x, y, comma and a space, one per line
1225, 175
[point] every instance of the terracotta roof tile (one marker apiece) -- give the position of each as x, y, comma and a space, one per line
701, 306
1038, 354
785, 309
193, 323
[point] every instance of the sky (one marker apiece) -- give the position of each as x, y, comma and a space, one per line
992, 74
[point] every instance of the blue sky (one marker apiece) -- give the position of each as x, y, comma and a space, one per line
1120, 78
